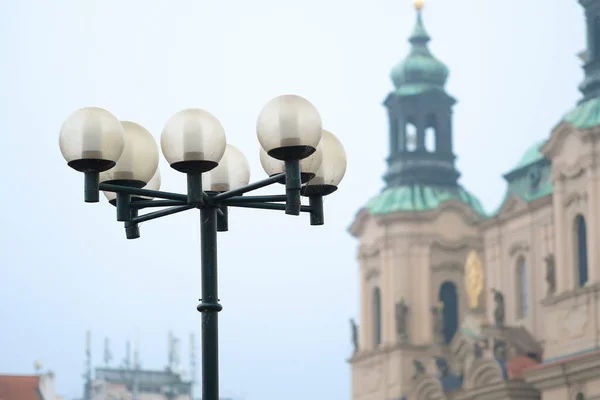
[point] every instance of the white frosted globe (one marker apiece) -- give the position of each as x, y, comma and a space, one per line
153, 184
91, 133
333, 167
308, 166
139, 160
193, 140
233, 172
289, 127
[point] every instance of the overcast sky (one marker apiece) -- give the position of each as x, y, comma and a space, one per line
288, 289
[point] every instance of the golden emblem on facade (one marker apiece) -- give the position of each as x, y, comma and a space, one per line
473, 279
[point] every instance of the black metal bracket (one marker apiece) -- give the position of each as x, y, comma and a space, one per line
131, 199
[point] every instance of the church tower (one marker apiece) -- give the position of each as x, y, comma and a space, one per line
414, 236
420, 118
590, 87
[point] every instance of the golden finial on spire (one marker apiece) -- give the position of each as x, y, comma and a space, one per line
419, 4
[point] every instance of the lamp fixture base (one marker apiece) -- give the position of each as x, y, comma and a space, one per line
194, 166
126, 182
289, 153
91, 164
318, 190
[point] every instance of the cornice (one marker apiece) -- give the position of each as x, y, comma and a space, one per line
516, 209
569, 294
511, 389
465, 211
465, 243
561, 373
363, 355
447, 266
356, 227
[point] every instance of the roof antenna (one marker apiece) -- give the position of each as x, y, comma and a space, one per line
88, 367
107, 354
192, 361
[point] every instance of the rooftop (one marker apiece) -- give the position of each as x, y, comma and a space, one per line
19, 387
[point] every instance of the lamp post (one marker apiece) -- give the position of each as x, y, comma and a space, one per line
120, 158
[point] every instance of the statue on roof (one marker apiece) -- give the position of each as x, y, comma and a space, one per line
442, 365
550, 274
438, 322
354, 331
477, 350
419, 368
402, 320
499, 310
500, 350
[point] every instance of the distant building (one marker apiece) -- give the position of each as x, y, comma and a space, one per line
459, 304
132, 384
129, 381
28, 387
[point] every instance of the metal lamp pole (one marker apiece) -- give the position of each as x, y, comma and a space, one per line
128, 180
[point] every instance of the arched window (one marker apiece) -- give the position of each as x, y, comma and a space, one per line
449, 296
410, 138
521, 287
376, 316
581, 259
430, 133
596, 38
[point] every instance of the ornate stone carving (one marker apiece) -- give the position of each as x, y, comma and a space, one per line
550, 274
473, 279
402, 320
354, 332
499, 309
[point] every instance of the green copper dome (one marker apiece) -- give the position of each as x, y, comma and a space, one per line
532, 155
420, 71
585, 115
409, 198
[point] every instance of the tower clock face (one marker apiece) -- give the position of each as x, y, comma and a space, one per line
535, 176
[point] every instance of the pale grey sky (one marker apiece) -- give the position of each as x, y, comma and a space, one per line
288, 289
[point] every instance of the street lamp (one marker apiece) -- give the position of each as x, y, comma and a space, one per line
120, 158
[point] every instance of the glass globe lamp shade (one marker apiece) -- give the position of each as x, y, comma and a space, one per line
289, 128
233, 172
91, 139
308, 166
332, 169
153, 184
139, 160
193, 141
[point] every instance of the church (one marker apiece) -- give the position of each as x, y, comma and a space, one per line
459, 304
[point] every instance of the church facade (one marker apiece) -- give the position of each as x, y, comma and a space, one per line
458, 304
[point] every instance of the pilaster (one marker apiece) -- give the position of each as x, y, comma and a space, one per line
592, 225
563, 281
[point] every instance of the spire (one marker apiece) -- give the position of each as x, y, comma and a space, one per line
419, 35
420, 70
590, 87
